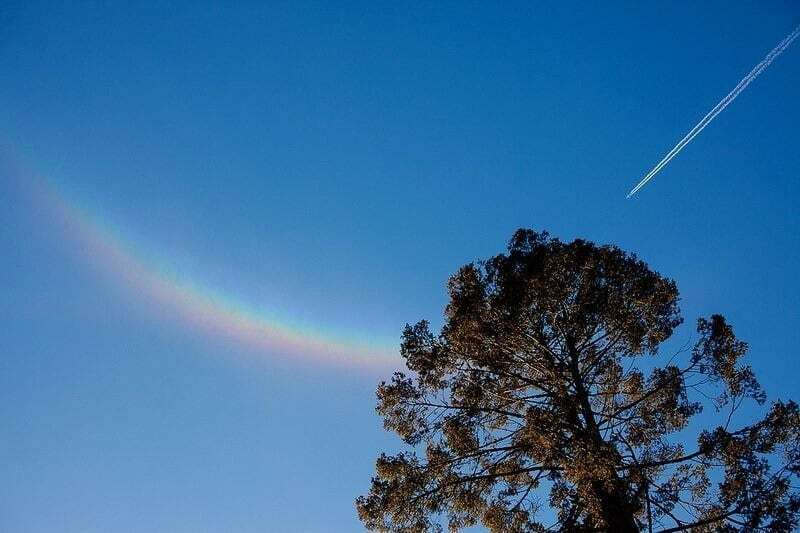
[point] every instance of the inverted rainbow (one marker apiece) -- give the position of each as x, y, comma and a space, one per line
200, 305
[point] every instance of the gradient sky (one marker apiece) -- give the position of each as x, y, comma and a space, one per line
331, 167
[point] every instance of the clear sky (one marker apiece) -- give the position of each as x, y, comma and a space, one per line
178, 180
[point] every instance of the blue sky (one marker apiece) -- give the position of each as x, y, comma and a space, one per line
337, 164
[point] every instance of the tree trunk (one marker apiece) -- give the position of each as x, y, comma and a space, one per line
616, 510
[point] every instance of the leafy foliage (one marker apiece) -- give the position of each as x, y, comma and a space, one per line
534, 402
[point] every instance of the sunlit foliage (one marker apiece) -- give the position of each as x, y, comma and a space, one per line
545, 405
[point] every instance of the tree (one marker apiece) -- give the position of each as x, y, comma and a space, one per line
541, 401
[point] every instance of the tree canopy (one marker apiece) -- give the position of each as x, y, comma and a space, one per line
545, 404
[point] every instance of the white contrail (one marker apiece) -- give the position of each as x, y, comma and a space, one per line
730, 97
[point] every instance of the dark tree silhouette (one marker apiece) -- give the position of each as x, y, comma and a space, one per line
541, 407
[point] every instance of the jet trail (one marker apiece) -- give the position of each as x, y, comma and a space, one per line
711, 115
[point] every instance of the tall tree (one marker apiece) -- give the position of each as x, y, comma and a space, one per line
543, 405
